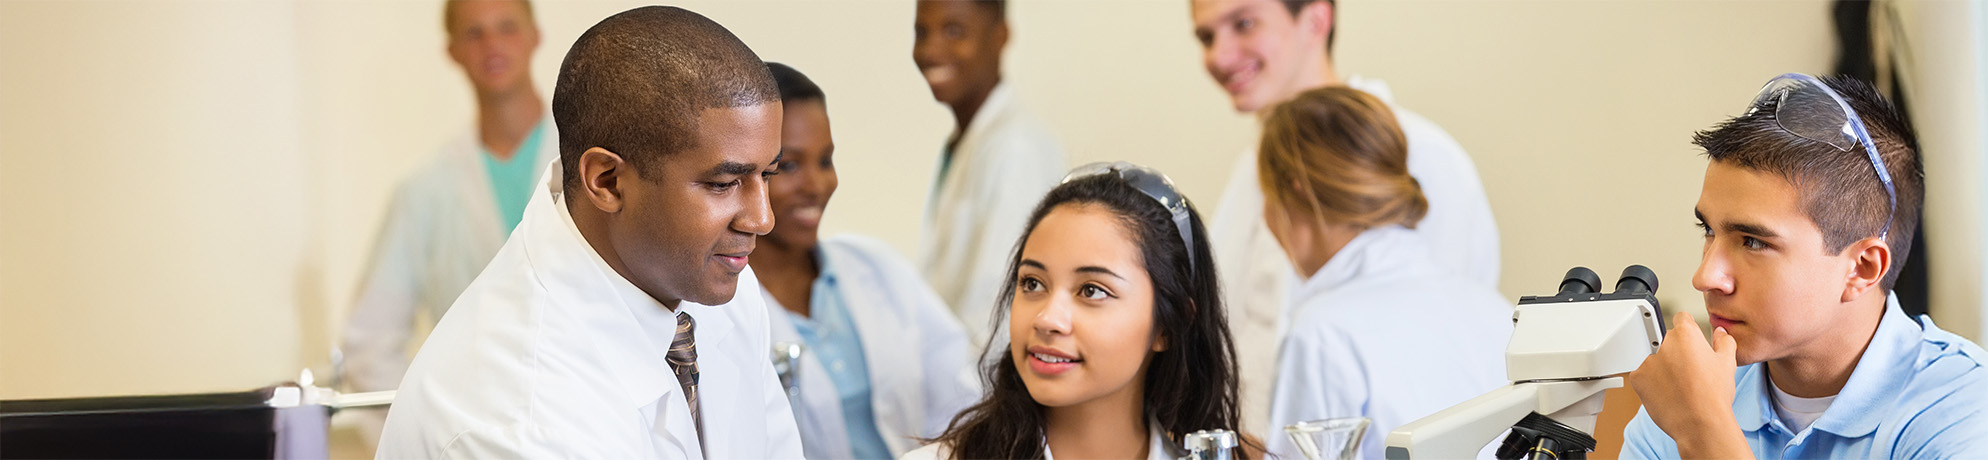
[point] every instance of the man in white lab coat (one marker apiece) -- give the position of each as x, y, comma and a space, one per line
448, 219
609, 325
997, 164
1263, 52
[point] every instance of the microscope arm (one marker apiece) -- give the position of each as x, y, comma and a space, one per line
1463, 430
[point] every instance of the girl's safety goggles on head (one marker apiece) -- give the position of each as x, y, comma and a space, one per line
1150, 182
1809, 109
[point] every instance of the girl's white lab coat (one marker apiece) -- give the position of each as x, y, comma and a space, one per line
921, 367
441, 229
551, 354
1004, 163
1459, 229
1159, 448
1385, 332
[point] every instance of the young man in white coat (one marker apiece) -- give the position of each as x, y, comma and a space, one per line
999, 161
886, 364
448, 219
1263, 52
608, 326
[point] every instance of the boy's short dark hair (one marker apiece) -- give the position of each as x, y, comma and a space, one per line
1838, 190
635, 83
449, 13
794, 86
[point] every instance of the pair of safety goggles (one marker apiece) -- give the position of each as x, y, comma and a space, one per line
1150, 182
1807, 108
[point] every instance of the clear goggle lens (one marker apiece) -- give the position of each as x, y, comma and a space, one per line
1150, 182
1809, 109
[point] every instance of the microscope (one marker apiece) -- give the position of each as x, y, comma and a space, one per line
1566, 351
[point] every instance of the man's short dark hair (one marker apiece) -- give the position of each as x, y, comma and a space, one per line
794, 86
635, 84
998, 7
1295, 5
1839, 190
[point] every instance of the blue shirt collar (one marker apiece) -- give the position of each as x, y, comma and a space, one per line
825, 269
1885, 366
1750, 405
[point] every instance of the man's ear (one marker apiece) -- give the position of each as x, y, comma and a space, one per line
455, 53
1870, 260
1319, 15
536, 36
1000, 36
600, 173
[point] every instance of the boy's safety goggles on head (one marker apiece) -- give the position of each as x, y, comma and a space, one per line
1150, 182
1809, 109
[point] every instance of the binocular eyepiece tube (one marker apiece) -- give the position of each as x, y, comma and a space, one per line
1635, 279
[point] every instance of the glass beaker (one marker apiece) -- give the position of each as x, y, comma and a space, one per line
1339, 437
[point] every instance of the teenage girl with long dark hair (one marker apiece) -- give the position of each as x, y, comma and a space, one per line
1118, 346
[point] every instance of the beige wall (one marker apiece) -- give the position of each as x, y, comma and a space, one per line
1948, 80
156, 197
192, 185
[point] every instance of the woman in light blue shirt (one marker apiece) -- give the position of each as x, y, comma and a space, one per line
885, 362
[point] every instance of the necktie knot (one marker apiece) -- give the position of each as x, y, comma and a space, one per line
683, 350
683, 360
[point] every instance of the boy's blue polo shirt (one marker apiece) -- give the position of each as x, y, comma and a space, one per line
1918, 392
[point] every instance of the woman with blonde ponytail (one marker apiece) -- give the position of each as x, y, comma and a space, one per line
1377, 328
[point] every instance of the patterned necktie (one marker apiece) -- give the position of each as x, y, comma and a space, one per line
683, 359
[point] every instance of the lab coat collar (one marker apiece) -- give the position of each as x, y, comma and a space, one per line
818, 407
1158, 447
1377, 252
465, 156
1372, 86
999, 100
569, 269
1886, 365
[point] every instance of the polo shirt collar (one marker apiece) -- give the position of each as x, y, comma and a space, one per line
1885, 366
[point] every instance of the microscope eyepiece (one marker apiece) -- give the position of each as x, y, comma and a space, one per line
1636, 279
1580, 280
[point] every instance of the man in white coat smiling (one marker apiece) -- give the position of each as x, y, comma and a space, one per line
999, 161
1263, 52
608, 326
448, 219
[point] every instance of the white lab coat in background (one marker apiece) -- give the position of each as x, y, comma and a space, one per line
1004, 163
921, 364
1256, 275
1383, 331
441, 229
551, 354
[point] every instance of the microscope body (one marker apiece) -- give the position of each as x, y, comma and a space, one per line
1566, 351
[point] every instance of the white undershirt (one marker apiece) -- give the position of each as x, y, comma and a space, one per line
1797, 412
